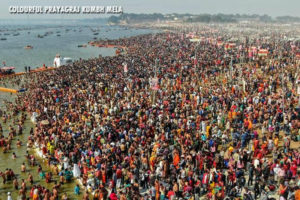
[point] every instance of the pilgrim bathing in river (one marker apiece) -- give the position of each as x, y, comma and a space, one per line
168, 119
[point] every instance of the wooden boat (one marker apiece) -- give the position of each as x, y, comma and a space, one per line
6, 71
28, 47
82, 45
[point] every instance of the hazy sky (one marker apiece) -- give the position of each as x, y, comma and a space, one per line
270, 7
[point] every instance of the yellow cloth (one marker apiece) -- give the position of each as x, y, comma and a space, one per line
230, 149
276, 142
207, 131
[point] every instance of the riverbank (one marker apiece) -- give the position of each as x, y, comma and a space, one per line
21, 153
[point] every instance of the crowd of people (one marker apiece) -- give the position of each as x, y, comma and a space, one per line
210, 127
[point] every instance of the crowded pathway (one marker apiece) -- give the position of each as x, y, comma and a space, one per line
211, 127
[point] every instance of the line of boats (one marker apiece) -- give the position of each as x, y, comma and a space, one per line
7, 34
95, 32
13, 34
58, 34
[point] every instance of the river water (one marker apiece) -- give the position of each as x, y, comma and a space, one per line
6, 161
60, 39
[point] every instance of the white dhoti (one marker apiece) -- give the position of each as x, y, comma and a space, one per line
76, 171
66, 163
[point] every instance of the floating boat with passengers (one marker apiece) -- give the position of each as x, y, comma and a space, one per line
6, 71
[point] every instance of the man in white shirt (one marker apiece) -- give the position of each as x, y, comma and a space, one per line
276, 170
256, 163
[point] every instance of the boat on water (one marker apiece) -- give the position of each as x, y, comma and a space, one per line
92, 43
28, 47
96, 33
6, 71
40, 36
16, 34
58, 35
82, 45
3, 39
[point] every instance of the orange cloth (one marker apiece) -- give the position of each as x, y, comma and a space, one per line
233, 114
229, 115
176, 161
297, 194
276, 142
250, 125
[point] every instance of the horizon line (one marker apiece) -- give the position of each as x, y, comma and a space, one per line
117, 15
